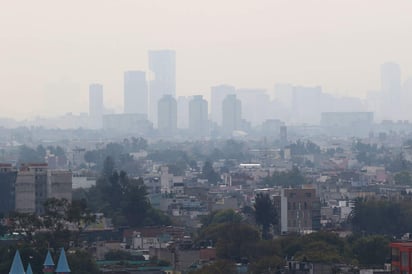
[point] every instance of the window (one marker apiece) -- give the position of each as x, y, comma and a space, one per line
395, 254
404, 259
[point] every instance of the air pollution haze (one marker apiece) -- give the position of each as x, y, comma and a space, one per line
51, 51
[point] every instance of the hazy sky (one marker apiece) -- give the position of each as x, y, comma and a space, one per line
51, 50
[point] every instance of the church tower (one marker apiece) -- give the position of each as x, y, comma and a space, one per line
48, 266
62, 264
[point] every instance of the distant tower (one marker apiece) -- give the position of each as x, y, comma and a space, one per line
96, 105
162, 66
217, 95
391, 91
283, 136
390, 77
198, 118
135, 92
17, 265
48, 266
183, 112
167, 115
231, 114
62, 264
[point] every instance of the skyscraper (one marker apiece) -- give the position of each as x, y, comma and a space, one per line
95, 100
162, 65
183, 112
167, 115
135, 92
391, 91
255, 105
198, 120
231, 114
217, 94
390, 77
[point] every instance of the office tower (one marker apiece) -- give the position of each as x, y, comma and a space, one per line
391, 91
283, 136
255, 105
284, 94
7, 188
167, 115
135, 92
162, 66
96, 105
231, 114
299, 210
183, 112
198, 120
306, 105
96, 100
390, 77
217, 94
35, 183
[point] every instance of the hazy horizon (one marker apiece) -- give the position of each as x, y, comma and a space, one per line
51, 51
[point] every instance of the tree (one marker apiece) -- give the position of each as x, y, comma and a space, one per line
79, 214
135, 203
29, 155
218, 267
209, 173
371, 251
286, 178
55, 214
403, 178
265, 213
24, 223
221, 216
381, 217
81, 262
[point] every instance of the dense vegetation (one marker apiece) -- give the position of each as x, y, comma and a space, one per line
239, 242
123, 199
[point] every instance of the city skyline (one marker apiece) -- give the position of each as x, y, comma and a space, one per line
51, 52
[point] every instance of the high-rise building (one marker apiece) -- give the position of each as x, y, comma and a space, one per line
391, 91
35, 184
231, 114
255, 105
183, 112
390, 77
217, 94
96, 108
162, 65
167, 115
198, 120
306, 105
299, 210
7, 188
135, 92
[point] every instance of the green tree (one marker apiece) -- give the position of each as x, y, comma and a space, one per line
286, 178
81, 262
221, 216
218, 267
209, 173
371, 251
403, 178
29, 155
265, 213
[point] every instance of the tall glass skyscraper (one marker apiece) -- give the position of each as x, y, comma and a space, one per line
135, 92
162, 66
